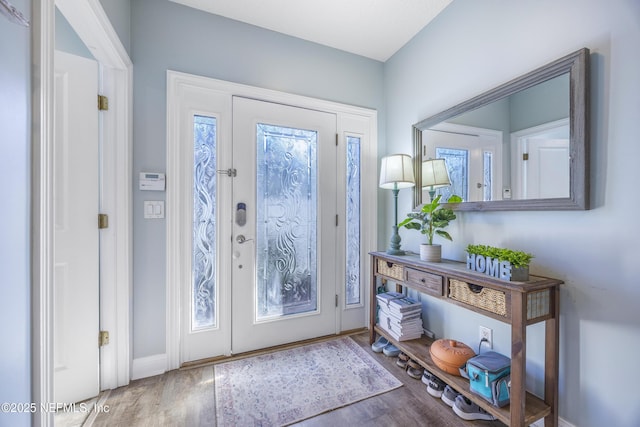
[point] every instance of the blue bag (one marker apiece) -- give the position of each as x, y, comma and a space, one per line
489, 377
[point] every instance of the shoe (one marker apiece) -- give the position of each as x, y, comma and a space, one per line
467, 410
414, 370
426, 377
436, 387
402, 361
379, 345
449, 396
391, 350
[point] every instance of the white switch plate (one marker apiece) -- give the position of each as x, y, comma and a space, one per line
153, 209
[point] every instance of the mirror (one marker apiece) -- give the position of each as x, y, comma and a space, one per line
521, 146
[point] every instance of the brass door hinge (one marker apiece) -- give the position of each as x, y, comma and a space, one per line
525, 156
103, 338
103, 221
103, 103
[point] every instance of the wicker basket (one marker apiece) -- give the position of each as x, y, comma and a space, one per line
485, 298
395, 271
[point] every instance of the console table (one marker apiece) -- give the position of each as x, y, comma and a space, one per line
518, 304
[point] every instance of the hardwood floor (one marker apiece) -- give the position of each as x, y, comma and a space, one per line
185, 397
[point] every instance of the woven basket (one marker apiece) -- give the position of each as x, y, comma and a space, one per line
485, 298
395, 271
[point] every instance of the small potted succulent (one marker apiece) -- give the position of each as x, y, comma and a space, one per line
430, 220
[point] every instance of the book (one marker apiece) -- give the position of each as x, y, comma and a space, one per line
403, 305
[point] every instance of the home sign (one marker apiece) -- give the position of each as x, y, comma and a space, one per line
489, 266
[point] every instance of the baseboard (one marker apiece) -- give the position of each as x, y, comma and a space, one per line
561, 423
149, 366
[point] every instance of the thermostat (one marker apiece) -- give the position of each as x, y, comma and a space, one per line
152, 181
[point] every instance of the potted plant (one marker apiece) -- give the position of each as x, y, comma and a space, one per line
431, 219
518, 260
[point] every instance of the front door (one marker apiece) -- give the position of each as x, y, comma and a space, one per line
284, 232
76, 238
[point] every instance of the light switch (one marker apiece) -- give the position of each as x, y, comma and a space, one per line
153, 209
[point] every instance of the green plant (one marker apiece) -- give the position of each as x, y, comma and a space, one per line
516, 258
432, 218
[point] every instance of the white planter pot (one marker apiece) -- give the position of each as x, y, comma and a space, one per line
431, 253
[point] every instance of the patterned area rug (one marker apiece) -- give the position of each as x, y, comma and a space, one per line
292, 385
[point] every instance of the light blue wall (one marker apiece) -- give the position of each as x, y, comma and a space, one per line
165, 36
474, 46
119, 13
15, 335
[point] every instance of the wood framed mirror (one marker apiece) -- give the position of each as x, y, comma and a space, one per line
521, 146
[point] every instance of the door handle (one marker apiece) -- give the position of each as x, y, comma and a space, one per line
241, 239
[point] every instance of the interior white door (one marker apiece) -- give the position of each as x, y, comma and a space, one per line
284, 266
547, 168
76, 235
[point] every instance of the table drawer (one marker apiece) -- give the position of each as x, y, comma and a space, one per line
390, 269
424, 282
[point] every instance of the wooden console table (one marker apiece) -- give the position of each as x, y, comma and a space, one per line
519, 304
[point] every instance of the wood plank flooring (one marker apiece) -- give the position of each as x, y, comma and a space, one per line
185, 397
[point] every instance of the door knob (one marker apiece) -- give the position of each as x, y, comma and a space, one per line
241, 239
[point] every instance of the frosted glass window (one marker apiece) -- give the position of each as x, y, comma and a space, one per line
353, 221
457, 161
203, 300
487, 175
286, 258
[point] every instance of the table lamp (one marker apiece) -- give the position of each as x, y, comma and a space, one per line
396, 172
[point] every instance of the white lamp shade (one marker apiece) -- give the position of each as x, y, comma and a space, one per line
435, 173
396, 171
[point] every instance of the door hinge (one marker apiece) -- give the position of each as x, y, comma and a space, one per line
336, 300
337, 138
103, 221
103, 338
336, 220
103, 103
525, 156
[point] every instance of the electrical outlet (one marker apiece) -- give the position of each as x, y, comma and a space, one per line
487, 334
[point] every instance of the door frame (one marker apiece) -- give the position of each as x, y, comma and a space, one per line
350, 119
93, 27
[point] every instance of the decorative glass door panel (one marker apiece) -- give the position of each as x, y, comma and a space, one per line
286, 232
353, 286
203, 294
284, 271
458, 167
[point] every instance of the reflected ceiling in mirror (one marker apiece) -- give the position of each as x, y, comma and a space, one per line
521, 146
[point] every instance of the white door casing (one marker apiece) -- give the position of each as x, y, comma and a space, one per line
476, 141
93, 27
353, 121
76, 236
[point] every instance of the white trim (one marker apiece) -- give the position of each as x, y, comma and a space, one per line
176, 79
561, 423
43, 39
144, 367
93, 27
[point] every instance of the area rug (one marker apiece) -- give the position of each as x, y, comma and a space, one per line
292, 385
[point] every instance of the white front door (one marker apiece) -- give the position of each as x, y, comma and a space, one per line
76, 235
284, 227
267, 210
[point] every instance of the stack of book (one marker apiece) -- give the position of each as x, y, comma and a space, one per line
400, 316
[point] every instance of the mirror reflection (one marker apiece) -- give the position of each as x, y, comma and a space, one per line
513, 148
522, 146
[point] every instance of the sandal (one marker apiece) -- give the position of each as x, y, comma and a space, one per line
414, 370
402, 361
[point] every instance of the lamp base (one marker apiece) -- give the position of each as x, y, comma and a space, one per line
394, 244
